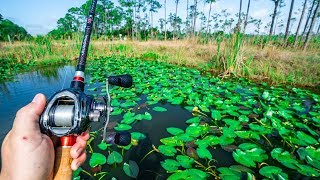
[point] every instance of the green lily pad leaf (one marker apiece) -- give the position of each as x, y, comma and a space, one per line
185, 138
249, 154
228, 174
307, 170
306, 138
114, 157
215, 114
185, 161
122, 127
171, 141
103, 146
273, 172
116, 111
225, 140
284, 158
189, 108
204, 153
193, 120
170, 165
131, 169
137, 136
194, 131
97, 159
167, 150
241, 168
175, 131
128, 120
247, 135
176, 100
128, 104
128, 115
188, 174
284, 114
243, 118
147, 116
178, 175
159, 109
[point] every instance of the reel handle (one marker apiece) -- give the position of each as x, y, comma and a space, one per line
121, 80
63, 159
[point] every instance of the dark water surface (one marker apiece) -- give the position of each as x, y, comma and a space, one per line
16, 94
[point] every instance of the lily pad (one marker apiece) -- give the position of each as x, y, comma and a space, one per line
114, 157
97, 159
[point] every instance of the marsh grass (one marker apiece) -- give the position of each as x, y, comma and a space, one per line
232, 56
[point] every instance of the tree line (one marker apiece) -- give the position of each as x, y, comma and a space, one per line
10, 31
134, 19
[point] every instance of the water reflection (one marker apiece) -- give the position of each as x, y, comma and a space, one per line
15, 94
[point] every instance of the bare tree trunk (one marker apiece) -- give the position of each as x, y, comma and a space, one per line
209, 19
194, 17
299, 25
247, 15
276, 4
318, 31
165, 20
308, 18
188, 25
175, 20
313, 21
288, 23
239, 19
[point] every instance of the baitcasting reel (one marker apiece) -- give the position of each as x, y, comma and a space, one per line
70, 111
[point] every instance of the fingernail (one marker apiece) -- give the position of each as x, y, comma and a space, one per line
37, 98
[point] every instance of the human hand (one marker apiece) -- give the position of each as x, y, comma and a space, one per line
27, 153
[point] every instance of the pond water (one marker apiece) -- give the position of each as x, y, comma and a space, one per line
17, 93
253, 123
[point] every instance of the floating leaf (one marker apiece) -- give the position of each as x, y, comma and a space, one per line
248, 154
193, 120
122, 127
147, 116
137, 136
159, 109
167, 150
273, 172
185, 161
103, 146
131, 169
170, 165
97, 159
175, 131
114, 157
227, 173
204, 153
306, 138
215, 114
243, 118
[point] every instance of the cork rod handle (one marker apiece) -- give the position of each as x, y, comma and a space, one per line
63, 159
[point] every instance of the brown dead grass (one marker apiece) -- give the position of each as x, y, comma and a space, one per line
272, 64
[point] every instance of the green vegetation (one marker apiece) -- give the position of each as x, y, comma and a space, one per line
272, 132
11, 32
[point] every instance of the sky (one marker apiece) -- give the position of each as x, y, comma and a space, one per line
39, 17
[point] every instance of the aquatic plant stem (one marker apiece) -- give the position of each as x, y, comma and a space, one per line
267, 140
86, 172
146, 155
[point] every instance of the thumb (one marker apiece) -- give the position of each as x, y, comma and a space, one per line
27, 118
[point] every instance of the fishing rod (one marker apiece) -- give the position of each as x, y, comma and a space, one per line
69, 112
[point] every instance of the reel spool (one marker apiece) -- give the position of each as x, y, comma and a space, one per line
70, 111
